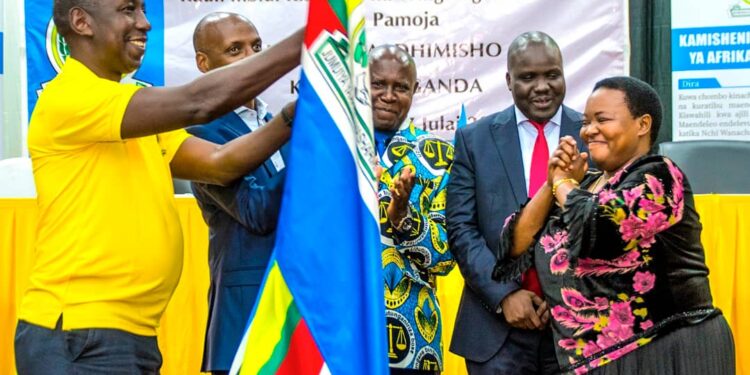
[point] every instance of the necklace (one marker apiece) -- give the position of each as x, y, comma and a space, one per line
594, 188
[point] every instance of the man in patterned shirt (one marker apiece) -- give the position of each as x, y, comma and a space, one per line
412, 215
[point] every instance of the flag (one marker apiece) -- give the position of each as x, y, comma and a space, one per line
461, 118
321, 307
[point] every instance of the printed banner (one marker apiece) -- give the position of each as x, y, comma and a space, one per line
459, 46
711, 70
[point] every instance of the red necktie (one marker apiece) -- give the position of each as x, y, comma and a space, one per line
537, 178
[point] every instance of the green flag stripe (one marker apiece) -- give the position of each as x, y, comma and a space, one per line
339, 7
281, 348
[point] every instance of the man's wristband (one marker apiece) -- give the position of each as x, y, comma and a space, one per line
405, 224
561, 181
287, 119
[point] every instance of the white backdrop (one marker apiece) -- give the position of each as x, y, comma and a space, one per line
459, 46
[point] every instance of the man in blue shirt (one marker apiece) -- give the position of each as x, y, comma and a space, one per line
241, 217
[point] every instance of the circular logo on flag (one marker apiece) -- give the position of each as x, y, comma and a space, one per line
57, 49
401, 339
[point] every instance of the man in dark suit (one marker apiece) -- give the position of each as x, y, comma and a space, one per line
500, 161
241, 217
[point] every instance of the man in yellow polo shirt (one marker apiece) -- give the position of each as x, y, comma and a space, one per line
109, 244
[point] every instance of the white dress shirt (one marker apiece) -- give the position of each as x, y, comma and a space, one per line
254, 119
527, 137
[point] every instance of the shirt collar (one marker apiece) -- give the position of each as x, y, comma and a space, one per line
521, 118
261, 108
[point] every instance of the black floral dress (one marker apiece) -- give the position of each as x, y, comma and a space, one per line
620, 267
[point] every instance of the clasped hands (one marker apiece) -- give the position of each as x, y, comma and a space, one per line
525, 310
566, 163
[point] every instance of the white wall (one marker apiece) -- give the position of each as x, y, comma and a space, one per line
12, 123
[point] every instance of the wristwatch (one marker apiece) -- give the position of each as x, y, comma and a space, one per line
405, 224
287, 119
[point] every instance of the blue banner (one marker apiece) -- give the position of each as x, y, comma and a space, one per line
46, 50
711, 48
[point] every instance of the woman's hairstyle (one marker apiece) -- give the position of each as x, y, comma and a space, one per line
640, 98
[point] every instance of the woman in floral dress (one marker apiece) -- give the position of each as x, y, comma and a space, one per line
618, 251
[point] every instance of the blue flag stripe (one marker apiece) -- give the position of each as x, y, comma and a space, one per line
328, 244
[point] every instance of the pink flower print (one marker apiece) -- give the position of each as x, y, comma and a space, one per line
554, 242
581, 370
622, 351
620, 326
655, 223
605, 341
590, 349
614, 332
508, 219
561, 238
605, 196
634, 228
616, 178
598, 267
646, 324
569, 319
575, 300
678, 203
548, 243
678, 190
650, 206
601, 303
559, 263
675, 172
568, 344
622, 313
643, 282
656, 187
631, 228
632, 195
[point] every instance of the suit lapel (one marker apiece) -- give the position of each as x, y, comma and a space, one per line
238, 126
571, 125
505, 136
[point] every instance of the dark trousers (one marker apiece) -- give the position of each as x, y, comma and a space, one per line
45, 351
525, 352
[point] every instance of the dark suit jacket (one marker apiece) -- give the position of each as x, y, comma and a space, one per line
242, 231
487, 185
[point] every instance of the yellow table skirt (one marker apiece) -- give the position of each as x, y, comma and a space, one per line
726, 237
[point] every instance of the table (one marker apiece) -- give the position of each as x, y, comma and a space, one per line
726, 237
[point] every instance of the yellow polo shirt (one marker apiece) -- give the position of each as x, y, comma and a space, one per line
109, 243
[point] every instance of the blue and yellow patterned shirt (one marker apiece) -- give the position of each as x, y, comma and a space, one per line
412, 260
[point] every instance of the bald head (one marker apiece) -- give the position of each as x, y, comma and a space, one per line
395, 53
222, 38
535, 76
393, 80
209, 27
528, 39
